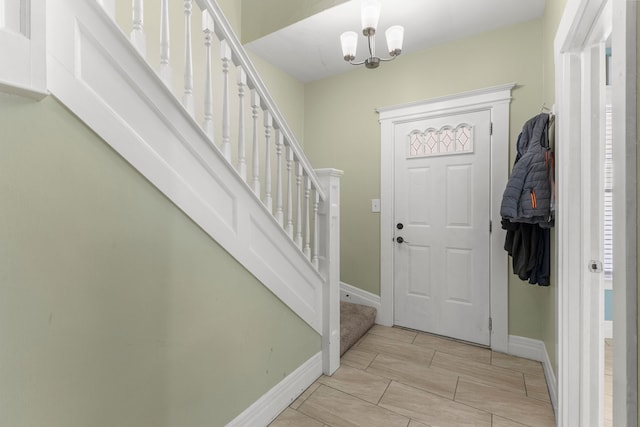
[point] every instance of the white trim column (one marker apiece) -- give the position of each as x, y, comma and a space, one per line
625, 213
585, 24
569, 235
498, 258
329, 235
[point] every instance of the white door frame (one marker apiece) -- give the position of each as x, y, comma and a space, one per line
574, 65
496, 100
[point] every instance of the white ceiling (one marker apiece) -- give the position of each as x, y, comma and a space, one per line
310, 49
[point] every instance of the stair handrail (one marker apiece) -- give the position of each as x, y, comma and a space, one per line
225, 32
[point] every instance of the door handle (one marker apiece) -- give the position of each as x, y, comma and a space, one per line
400, 239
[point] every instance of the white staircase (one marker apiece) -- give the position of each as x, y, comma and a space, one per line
218, 148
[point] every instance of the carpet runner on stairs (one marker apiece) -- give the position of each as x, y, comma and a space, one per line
355, 321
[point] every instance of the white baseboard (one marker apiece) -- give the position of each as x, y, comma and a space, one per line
276, 400
527, 348
358, 296
552, 383
536, 350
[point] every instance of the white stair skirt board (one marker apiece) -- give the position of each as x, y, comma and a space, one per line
96, 73
355, 295
536, 350
276, 400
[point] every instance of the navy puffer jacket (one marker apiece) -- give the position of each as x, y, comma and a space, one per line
527, 197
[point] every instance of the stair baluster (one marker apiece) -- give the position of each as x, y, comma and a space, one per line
289, 227
225, 56
268, 125
242, 163
316, 229
187, 97
255, 105
307, 229
138, 38
207, 29
279, 214
165, 67
298, 239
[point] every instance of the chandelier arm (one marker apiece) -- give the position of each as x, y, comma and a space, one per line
357, 63
388, 59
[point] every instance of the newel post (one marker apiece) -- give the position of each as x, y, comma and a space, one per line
329, 239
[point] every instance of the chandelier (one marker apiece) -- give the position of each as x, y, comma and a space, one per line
370, 17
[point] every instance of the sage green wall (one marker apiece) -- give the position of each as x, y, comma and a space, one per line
232, 10
115, 308
287, 93
260, 17
342, 131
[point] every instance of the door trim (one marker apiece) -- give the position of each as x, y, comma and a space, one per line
495, 99
575, 33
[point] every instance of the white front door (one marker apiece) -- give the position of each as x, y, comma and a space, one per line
442, 220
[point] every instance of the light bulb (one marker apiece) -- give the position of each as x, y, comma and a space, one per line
395, 36
349, 42
370, 15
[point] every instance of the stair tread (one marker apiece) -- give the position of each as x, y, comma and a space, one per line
355, 321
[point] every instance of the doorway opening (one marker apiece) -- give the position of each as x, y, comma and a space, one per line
496, 101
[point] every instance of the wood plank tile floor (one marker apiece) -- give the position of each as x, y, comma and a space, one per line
608, 382
398, 377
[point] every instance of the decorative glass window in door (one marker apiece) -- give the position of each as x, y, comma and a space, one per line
444, 141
